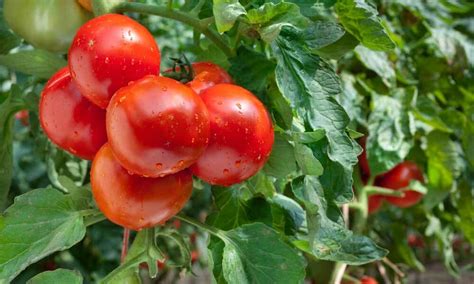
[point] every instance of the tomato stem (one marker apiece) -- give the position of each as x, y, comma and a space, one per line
125, 240
165, 12
371, 190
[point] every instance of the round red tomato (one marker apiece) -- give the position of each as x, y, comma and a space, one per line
368, 280
241, 136
157, 126
70, 120
363, 162
374, 203
108, 52
136, 202
400, 177
206, 75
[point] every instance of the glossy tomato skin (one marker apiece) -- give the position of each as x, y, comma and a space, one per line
110, 51
157, 126
206, 75
241, 136
48, 25
136, 202
70, 120
400, 177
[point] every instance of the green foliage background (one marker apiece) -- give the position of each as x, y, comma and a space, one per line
329, 72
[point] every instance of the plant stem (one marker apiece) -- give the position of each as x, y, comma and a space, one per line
165, 12
127, 265
125, 240
338, 273
371, 190
194, 222
360, 217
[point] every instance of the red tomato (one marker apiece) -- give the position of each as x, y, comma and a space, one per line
400, 177
374, 203
108, 52
70, 120
368, 280
157, 126
363, 162
23, 116
194, 256
415, 241
136, 202
241, 136
206, 75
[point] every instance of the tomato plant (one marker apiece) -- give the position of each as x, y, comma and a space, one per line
246, 141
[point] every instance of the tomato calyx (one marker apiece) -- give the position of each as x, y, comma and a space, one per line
181, 71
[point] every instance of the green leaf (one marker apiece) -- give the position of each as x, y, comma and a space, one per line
445, 164
311, 86
320, 34
10, 103
294, 211
429, 112
391, 130
360, 19
452, 43
254, 253
226, 13
403, 249
37, 62
280, 107
345, 44
329, 40
230, 208
378, 62
57, 276
466, 210
282, 161
310, 136
39, 223
327, 237
251, 69
8, 41
270, 18
308, 164
468, 137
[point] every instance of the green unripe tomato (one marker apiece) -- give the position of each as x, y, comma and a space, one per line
46, 24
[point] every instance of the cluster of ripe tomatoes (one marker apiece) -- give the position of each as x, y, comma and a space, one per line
148, 134
397, 178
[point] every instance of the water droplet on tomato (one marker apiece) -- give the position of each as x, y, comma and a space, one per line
164, 89
225, 171
219, 103
158, 166
107, 60
237, 163
122, 99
